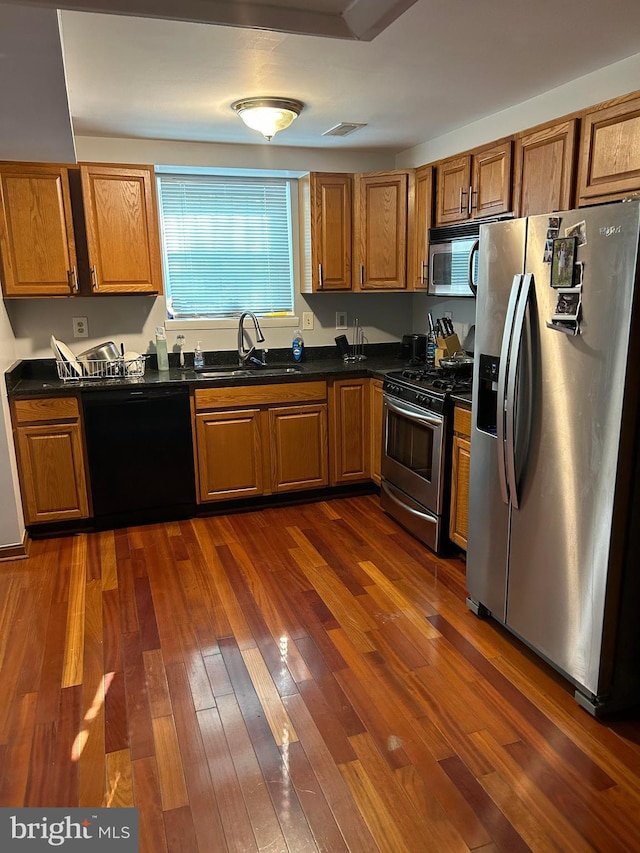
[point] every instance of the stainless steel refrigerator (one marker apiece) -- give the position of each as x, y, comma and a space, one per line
554, 522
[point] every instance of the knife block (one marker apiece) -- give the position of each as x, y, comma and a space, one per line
449, 344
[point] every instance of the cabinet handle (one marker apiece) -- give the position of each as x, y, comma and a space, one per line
472, 206
462, 192
72, 277
320, 279
361, 273
94, 278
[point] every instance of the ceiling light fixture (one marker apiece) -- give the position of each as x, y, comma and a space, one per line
268, 115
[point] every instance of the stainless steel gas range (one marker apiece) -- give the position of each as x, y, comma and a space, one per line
416, 450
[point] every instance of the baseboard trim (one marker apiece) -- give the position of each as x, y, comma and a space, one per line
16, 552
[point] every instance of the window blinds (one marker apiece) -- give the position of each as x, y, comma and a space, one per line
227, 245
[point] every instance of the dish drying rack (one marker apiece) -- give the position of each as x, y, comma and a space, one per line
101, 368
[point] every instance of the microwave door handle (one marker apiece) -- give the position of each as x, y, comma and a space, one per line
472, 284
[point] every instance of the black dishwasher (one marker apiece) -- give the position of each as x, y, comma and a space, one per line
140, 450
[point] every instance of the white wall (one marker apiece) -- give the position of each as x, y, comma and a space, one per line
11, 519
609, 82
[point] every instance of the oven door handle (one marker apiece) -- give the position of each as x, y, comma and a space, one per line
414, 413
421, 515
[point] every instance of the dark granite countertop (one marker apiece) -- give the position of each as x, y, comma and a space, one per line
35, 377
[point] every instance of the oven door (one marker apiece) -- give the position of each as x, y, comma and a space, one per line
412, 451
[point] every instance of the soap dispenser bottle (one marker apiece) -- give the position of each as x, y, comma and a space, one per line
198, 355
161, 348
297, 345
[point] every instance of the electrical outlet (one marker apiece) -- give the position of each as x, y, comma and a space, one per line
341, 320
307, 320
80, 327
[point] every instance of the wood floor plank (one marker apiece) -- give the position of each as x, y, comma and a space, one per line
156, 681
74, 641
281, 726
16, 758
90, 740
146, 788
119, 781
140, 729
173, 789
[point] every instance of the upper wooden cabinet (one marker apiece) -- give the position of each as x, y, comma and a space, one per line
381, 208
37, 240
50, 248
122, 228
545, 167
327, 199
420, 222
610, 152
475, 185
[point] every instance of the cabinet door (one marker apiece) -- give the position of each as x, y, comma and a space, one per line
52, 474
331, 217
381, 231
122, 228
610, 153
229, 452
376, 410
461, 457
350, 431
545, 166
37, 242
298, 447
419, 229
491, 190
454, 183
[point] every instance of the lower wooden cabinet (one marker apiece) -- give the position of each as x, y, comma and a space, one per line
298, 447
460, 476
230, 454
375, 418
50, 454
350, 431
261, 439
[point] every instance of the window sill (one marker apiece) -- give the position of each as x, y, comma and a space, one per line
265, 323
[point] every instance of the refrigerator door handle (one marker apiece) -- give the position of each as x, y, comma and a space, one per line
472, 284
502, 385
512, 385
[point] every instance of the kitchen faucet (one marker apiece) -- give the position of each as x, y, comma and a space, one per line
245, 355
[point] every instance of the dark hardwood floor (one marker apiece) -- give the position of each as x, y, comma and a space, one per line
294, 679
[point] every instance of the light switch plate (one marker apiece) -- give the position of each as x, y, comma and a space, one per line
341, 319
80, 327
307, 320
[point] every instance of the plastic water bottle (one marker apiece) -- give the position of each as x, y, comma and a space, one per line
431, 351
297, 345
198, 356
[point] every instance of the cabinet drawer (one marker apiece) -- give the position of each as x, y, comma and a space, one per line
462, 421
45, 409
260, 395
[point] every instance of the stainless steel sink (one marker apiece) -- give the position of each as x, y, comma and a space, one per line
227, 372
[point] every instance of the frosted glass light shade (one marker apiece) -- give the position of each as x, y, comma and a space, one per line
268, 115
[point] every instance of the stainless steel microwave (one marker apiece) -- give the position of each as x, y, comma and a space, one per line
453, 258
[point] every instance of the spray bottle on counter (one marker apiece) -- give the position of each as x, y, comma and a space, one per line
161, 348
297, 345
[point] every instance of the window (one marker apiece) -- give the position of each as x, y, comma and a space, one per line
227, 246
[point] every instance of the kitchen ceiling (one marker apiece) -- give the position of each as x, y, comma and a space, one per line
439, 65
